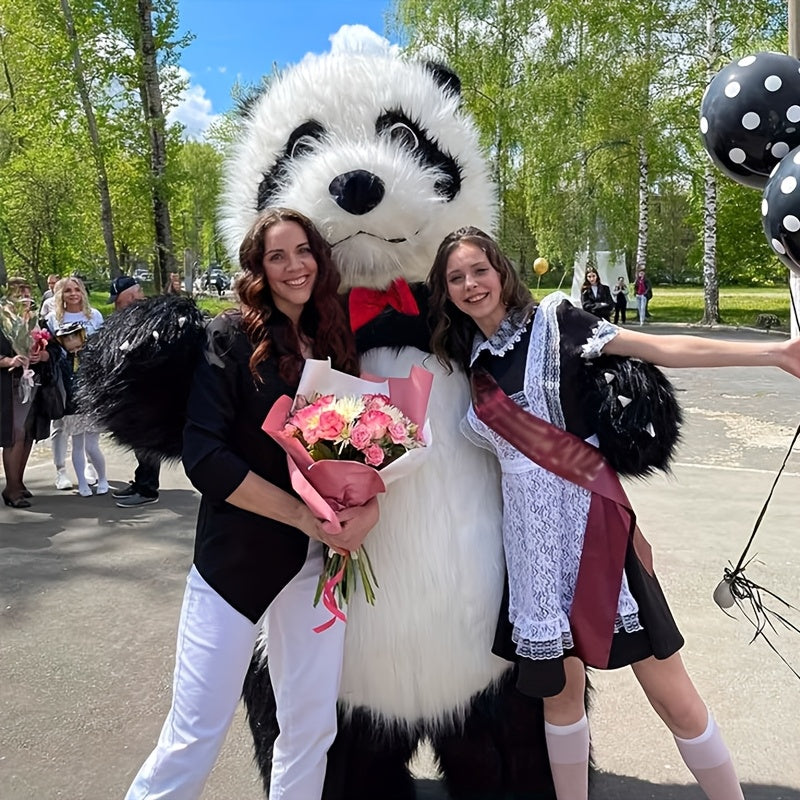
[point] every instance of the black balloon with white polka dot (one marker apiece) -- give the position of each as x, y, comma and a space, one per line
780, 210
750, 116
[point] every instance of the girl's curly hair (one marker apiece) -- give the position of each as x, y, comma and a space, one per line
323, 319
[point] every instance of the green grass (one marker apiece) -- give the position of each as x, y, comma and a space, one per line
737, 305
212, 304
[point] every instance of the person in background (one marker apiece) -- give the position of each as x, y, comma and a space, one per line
173, 285
596, 296
643, 291
71, 307
47, 297
219, 283
20, 424
619, 293
258, 549
487, 323
143, 489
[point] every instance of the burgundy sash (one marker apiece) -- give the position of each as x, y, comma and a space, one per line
610, 524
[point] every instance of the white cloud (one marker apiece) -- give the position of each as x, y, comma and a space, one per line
194, 109
360, 39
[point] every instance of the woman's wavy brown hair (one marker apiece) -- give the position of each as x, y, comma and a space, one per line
453, 331
323, 319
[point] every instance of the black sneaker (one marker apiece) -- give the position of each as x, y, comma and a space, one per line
134, 500
126, 491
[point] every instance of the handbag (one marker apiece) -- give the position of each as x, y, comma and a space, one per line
52, 395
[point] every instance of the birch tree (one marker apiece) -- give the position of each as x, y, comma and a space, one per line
106, 213
150, 89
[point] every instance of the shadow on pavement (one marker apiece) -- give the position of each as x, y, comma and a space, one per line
607, 786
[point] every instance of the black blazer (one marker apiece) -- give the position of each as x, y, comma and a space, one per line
600, 306
246, 558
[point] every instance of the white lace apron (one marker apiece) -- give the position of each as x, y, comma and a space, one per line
544, 516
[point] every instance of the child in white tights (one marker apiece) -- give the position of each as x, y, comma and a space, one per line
83, 444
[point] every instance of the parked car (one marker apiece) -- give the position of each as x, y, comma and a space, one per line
142, 275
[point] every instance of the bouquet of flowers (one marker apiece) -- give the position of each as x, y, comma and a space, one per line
20, 327
346, 439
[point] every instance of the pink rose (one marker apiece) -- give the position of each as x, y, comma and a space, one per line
360, 437
376, 423
331, 424
397, 433
375, 401
374, 455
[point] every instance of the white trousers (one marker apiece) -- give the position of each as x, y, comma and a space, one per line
215, 645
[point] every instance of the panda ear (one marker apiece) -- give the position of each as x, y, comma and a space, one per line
444, 77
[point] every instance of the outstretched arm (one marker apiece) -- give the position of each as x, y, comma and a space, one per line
696, 351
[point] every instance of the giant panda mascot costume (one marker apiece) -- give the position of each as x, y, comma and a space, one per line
380, 154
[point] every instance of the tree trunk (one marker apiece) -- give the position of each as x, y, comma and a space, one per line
644, 208
150, 90
106, 216
710, 281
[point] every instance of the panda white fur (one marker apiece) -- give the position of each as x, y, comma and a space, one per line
378, 152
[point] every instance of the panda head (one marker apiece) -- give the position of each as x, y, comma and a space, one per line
376, 150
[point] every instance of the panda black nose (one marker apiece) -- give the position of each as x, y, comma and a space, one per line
357, 192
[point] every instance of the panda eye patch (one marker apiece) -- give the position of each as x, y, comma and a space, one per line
303, 145
406, 133
304, 139
403, 135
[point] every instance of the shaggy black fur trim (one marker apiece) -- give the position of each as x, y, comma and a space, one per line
136, 371
640, 436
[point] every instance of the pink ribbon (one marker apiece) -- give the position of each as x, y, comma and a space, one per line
329, 600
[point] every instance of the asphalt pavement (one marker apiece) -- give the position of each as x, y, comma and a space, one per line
90, 595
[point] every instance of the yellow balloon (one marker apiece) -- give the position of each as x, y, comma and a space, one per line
540, 266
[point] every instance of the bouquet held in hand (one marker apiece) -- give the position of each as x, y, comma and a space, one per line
346, 439
20, 327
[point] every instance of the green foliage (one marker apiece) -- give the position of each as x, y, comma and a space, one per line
564, 92
49, 211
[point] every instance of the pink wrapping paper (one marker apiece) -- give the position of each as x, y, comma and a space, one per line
329, 486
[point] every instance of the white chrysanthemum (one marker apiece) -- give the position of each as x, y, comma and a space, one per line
350, 408
395, 413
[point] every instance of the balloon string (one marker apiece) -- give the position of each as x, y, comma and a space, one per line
738, 567
794, 307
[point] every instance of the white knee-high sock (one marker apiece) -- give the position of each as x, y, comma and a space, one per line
709, 760
568, 750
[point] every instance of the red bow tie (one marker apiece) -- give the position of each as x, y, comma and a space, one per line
366, 304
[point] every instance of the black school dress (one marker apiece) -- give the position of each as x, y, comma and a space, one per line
558, 363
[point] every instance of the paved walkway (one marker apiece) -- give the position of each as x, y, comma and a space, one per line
90, 593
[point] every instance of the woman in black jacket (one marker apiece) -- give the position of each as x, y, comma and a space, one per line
21, 420
258, 549
596, 296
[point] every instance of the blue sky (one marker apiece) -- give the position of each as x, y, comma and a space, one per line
243, 38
